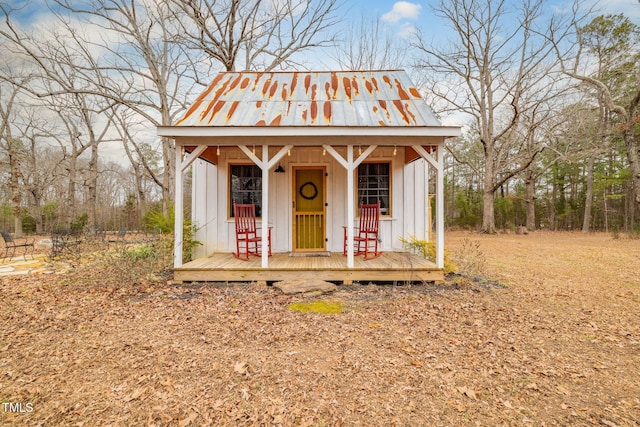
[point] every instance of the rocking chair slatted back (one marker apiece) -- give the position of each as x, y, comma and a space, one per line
247, 240
370, 218
366, 238
245, 218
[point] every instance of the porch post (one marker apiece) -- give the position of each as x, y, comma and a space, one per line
350, 165
265, 205
178, 212
438, 164
440, 208
350, 207
427, 227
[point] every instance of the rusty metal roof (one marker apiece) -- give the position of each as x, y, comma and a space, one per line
323, 99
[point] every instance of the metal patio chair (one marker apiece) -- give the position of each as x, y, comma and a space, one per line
11, 245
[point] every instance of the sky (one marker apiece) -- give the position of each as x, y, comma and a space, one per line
403, 16
401, 19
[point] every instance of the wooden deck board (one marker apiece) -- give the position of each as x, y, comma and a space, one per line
391, 266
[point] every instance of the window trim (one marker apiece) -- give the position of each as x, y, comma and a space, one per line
357, 186
229, 190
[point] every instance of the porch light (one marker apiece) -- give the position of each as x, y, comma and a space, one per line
324, 151
395, 150
218, 150
279, 169
289, 152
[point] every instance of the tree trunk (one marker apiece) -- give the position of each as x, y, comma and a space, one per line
588, 203
36, 207
17, 222
71, 192
530, 200
14, 184
488, 211
168, 178
488, 192
93, 185
633, 155
559, 204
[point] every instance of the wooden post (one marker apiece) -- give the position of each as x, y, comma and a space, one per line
350, 207
438, 165
427, 227
265, 206
178, 212
265, 165
350, 165
440, 208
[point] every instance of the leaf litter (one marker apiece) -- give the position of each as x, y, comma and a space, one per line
552, 338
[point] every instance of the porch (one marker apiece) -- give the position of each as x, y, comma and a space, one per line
390, 266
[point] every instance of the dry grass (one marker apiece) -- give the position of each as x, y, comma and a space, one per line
558, 344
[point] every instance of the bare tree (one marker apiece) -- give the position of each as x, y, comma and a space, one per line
58, 77
41, 170
140, 154
13, 148
497, 67
153, 72
606, 58
255, 34
368, 45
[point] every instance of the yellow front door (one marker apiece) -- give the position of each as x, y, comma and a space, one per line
309, 209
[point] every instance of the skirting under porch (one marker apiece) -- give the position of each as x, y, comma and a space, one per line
390, 266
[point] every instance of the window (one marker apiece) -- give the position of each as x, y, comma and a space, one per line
245, 186
374, 185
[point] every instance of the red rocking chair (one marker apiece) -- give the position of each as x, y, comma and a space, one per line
247, 240
366, 236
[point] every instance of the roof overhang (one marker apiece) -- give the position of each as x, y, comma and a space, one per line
259, 132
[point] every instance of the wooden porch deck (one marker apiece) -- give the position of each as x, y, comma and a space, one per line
391, 266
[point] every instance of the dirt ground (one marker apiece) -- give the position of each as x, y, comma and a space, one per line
550, 336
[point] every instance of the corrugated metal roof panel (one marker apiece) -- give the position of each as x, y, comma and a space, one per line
338, 98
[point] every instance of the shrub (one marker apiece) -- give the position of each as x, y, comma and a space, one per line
157, 222
80, 222
470, 259
428, 250
150, 261
28, 223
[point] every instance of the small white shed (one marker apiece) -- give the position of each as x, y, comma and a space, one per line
281, 139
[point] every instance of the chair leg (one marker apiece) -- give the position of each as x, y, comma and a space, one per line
238, 253
252, 249
344, 244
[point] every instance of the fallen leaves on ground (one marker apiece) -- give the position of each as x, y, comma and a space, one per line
552, 339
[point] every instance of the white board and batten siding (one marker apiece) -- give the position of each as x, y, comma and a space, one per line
216, 231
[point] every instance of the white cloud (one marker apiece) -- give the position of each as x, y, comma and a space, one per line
407, 31
402, 10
